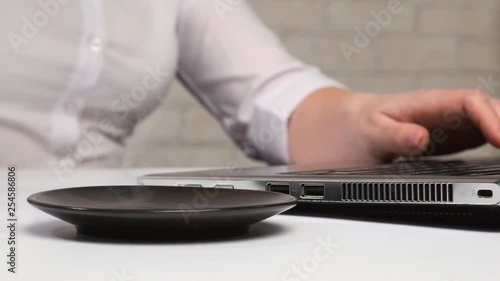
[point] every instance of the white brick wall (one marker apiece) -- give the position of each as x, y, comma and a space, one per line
429, 44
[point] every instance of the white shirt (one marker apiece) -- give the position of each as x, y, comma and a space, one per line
76, 76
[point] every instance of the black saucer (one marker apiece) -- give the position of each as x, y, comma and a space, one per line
160, 212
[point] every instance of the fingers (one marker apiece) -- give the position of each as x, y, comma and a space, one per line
393, 138
430, 108
482, 111
496, 105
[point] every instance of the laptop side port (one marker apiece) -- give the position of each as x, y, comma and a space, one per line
312, 191
278, 187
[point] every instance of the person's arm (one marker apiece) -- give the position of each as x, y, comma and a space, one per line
241, 72
289, 112
340, 127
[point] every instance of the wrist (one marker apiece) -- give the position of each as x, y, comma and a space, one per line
315, 103
315, 121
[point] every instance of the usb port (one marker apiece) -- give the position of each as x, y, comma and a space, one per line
313, 191
279, 187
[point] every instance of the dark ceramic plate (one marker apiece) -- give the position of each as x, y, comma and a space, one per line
160, 211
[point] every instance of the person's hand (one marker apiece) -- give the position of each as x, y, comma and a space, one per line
347, 128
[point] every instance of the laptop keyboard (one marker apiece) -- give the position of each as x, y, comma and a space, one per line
426, 167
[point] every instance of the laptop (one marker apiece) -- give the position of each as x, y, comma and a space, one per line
418, 188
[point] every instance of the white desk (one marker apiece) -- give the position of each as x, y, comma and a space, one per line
49, 250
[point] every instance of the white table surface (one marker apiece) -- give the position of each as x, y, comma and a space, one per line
48, 248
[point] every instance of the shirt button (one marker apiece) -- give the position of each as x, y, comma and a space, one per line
96, 45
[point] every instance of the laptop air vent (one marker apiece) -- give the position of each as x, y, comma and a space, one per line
397, 192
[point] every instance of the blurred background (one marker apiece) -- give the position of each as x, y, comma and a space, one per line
430, 44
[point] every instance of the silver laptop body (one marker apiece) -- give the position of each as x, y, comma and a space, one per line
424, 183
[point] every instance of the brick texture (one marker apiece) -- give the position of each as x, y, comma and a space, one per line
427, 44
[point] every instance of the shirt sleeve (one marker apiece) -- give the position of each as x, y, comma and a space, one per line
241, 72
